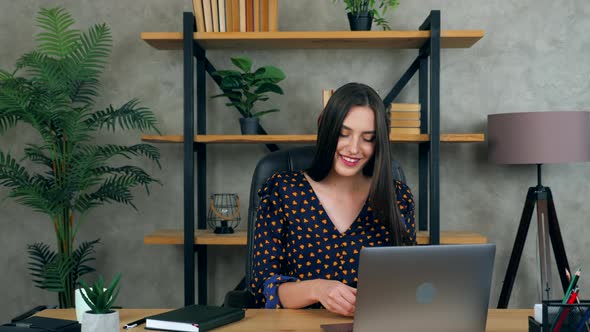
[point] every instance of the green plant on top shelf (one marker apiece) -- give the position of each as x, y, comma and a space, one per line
376, 8
244, 88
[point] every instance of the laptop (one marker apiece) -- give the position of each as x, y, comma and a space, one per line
423, 288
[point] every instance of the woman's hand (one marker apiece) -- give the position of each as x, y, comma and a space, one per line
335, 296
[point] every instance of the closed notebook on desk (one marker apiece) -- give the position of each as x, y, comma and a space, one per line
197, 318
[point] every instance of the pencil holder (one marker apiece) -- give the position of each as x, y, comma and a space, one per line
224, 213
563, 317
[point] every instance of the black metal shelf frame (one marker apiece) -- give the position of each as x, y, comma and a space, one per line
196, 66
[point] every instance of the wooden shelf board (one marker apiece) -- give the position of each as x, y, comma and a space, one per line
207, 237
313, 39
263, 139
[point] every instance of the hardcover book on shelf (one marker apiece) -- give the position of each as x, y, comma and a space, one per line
194, 318
257, 15
199, 15
208, 16
215, 15
249, 15
235, 15
242, 16
221, 10
273, 15
264, 15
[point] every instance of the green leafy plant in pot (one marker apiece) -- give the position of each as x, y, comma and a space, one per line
246, 87
101, 317
362, 13
66, 174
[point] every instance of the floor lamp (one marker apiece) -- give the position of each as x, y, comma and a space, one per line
538, 138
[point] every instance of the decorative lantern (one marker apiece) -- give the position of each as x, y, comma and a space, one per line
224, 213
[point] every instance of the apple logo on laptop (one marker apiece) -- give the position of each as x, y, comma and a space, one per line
425, 293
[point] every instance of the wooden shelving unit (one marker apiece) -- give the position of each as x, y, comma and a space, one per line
207, 237
309, 139
313, 39
429, 39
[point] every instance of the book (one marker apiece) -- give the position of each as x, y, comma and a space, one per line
405, 123
208, 16
257, 15
273, 15
235, 15
399, 115
264, 15
249, 15
195, 318
199, 15
243, 20
405, 131
215, 15
229, 16
221, 7
399, 107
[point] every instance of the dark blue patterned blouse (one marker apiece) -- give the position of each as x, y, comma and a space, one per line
295, 240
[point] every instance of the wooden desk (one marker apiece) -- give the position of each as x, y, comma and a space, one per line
261, 320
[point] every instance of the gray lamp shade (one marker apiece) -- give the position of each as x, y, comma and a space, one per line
539, 137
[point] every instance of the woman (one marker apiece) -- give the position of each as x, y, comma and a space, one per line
312, 225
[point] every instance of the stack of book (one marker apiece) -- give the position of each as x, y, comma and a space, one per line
405, 118
236, 15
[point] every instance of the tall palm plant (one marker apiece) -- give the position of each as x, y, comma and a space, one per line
56, 96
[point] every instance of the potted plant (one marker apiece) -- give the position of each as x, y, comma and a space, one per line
66, 173
245, 87
362, 13
100, 317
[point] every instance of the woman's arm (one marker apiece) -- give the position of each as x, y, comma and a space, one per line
332, 294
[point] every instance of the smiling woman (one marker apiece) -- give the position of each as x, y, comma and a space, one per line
312, 224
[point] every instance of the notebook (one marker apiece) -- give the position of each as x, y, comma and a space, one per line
422, 288
196, 318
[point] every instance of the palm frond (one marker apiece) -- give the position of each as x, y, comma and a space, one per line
36, 154
43, 69
15, 95
91, 55
111, 150
115, 189
57, 38
12, 174
7, 121
40, 255
82, 256
128, 116
56, 274
141, 176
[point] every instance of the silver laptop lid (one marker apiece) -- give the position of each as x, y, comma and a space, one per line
424, 288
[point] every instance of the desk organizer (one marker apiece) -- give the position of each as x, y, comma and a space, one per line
571, 323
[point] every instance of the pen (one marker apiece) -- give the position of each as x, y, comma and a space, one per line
134, 324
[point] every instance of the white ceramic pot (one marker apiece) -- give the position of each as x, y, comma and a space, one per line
100, 322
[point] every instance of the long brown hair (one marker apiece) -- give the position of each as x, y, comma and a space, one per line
382, 193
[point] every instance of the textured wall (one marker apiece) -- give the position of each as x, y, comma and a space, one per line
533, 57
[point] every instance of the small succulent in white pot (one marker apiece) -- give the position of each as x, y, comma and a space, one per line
101, 317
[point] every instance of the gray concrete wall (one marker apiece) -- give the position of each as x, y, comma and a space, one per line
534, 56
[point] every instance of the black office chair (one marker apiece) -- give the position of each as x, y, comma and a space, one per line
294, 159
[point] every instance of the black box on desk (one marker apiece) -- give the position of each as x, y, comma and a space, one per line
573, 315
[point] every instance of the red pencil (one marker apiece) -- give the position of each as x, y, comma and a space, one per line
566, 310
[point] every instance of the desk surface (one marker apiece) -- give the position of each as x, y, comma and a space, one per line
261, 320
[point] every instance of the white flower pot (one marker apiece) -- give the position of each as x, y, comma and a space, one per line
100, 322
